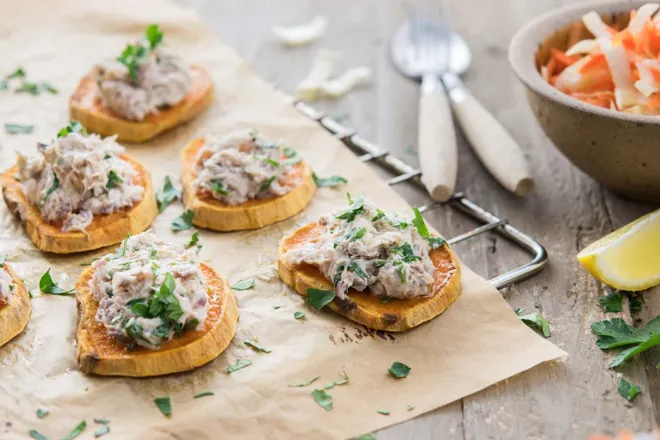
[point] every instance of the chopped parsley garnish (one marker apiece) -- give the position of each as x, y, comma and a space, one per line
244, 284
535, 320
299, 315
219, 187
292, 156
385, 299
18, 73
354, 210
101, 421
379, 263
166, 195
183, 222
48, 87
627, 390
102, 431
383, 412
344, 381
47, 285
258, 347
132, 56
332, 181
367, 436
399, 370
276, 307
51, 190
318, 298
406, 252
41, 413
423, 230
357, 270
617, 333
73, 127
379, 215
18, 128
304, 384
267, 183
193, 240
28, 87
204, 394
612, 303
357, 234
76, 431
240, 363
154, 36
113, 180
272, 162
36, 435
410, 407
322, 399
164, 405
403, 273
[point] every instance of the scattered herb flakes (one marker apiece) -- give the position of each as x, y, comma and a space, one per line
18, 73
299, 315
617, 333
73, 127
166, 195
183, 222
193, 240
164, 405
276, 307
318, 298
219, 187
102, 431
76, 431
48, 87
627, 390
36, 435
240, 363
367, 436
41, 413
535, 320
154, 36
18, 128
304, 384
355, 208
244, 284
102, 421
328, 386
113, 180
204, 394
612, 303
423, 230
47, 285
409, 407
257, 347
383, 412
323, 399
385, 299
51, 190
28, 87
332, 181
399, 370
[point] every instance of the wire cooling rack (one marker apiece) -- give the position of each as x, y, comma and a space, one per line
405, 173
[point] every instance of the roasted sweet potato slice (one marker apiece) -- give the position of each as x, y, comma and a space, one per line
99, 353
15, 316
395, 316
105, 230
85, 106
213, 214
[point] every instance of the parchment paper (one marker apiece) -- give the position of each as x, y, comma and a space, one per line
477, 342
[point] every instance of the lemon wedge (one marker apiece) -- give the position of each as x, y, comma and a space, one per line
628, 258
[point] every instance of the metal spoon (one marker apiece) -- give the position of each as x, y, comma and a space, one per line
428, 50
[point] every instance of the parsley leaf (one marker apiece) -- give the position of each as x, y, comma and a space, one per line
292, 155
383, 412
102, 421
318, 298
354, 210
244, 284
357, 270
36, 435
240, 363
76, 431
617, 333
652, 340
612, 303
28, 87
344, 381
332, 181
183, 222
18, 73
423, 230
267, 184
368, 436
193, 240
48, 87
535, 320
204, 394
323, 399
132, 57
113, 180
102, 431
299, 315
406, 252
18, 128
399, 370
219, 187
258, 347
166, 195
73, 127
47, 285
627, 390
41, 413
410, 407
164, 405
51, 190
154, 36
357, 234
385, 299
304, 384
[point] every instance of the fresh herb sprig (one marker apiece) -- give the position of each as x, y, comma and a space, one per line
617, 333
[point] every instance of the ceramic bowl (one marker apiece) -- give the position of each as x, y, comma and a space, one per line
619, 150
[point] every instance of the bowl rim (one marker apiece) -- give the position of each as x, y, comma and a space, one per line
526, 41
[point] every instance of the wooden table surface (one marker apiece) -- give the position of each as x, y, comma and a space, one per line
569, 399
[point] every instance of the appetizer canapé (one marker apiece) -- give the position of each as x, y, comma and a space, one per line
15, 306
142, 92
152, 308
244, 181
79, 192
384, 271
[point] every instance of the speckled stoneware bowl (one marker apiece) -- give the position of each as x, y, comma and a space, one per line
619, 150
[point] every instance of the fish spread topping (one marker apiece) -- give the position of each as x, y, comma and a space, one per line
245, 165
149, 291
363, 247
144, 79
6, 287
76, 177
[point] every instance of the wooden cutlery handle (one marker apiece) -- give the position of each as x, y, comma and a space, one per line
436, 140
496, 149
